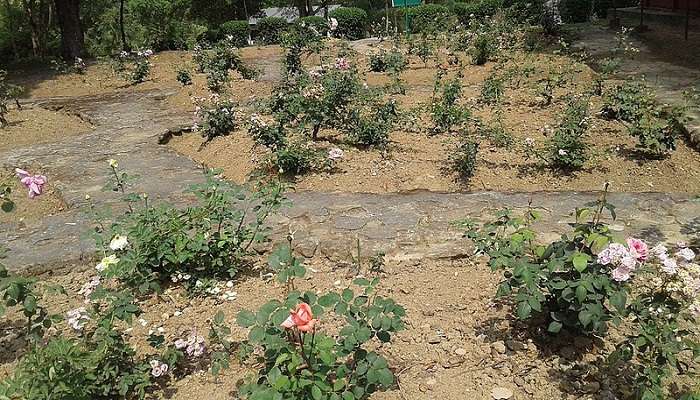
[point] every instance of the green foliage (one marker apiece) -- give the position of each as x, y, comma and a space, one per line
238, 32
209, 239
483, 48
370, 125
268, 134
100, 364
21, 292
134, 66
392, 61
184, 77
218, 62
300, 39
655, 128
311, 364
429, 18
352, 22
463, 160
296, 158
495, 132
493, 89
567, 149
270, 29
561, 281
478, 9
218, 118
318, 24
8, 92
6, 203
445, 111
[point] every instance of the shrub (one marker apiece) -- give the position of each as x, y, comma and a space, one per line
8, 92
270, 29
352, 22
445, 112
238, 31
298, 360
495, 132
218, 62
567, 149
152, 245
483, 48
184, 77
217, 118
393, 61
476, 10
463, 160
134, 66
266, 133
492, 90
21, 292
429, 18
295, 159
318, 24
371, 124
586, 280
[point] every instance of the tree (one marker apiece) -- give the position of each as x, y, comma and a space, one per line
39, 15
72, 37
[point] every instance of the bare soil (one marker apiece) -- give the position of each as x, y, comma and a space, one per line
29, 210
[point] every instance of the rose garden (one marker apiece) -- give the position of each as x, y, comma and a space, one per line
497, 201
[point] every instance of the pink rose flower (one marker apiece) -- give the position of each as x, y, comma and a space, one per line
35, 183
621, 274
638, 248
301, 318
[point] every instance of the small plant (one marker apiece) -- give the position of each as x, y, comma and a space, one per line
155, 245
566, 148
463, 160
492, 90
495, 132
444, 110
22, 292
184, 77
267, 133
218, 62
370, 126
134, 66
217, 117
425, 50
296, 158
483, 49
298, 360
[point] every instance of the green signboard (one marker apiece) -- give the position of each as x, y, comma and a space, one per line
405, 3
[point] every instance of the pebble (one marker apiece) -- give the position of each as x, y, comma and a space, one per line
461, 352
501, 393
516, 345
435, 339
499, 347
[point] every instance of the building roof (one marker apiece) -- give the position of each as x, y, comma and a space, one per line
288, 13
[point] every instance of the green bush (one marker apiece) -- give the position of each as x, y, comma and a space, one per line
238, 30
575, 10
319, 24
479, 9
429, 18
270, 29
352, 22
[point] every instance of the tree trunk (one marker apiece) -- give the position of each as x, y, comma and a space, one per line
10, 26
125, 45
72, 39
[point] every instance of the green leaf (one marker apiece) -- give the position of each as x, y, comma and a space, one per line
316, 393
580, 261
554, 327
581, 293
257, 334
524, 310
245, 319
347, 295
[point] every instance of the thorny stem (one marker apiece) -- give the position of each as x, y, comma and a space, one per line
120, 186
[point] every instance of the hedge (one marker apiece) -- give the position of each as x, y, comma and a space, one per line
270, 29
238, 29
429, 17
352, 22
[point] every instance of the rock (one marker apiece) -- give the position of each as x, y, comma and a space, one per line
461, 352
435, 339
519, 381
499, 347
431, 381
515, 345
590, 387
501, 393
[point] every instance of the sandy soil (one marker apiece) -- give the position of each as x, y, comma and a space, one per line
26, 209
36, 125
